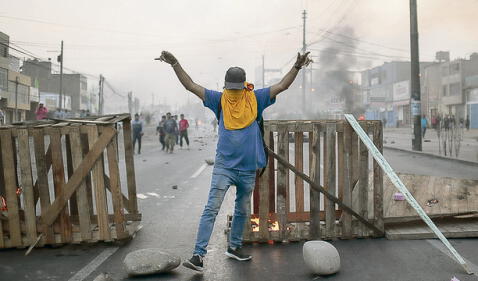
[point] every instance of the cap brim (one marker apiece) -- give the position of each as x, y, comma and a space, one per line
233, 86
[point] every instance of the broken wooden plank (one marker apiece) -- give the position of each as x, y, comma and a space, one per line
10, 179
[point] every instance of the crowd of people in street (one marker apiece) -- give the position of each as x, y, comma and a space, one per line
171, 132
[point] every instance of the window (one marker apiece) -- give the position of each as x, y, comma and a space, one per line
23, 92
455, 89
3, 79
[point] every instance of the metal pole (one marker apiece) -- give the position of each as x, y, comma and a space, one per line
61, 76
415, 79
304, 48
16, 100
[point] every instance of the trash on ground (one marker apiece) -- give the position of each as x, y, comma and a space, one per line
174, 187
103, 277
432, 202
141, 196
454, 279
398, 196
210, 162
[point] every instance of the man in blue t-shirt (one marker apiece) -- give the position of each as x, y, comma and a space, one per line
240, 152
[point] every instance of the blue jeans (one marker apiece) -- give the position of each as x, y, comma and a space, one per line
221, 180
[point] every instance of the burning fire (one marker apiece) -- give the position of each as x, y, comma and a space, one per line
273, 225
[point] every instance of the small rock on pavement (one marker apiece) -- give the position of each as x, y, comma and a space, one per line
210, 162
103, 277
321, 257
175, 187
150, 261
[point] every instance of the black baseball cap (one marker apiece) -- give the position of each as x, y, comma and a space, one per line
235, 78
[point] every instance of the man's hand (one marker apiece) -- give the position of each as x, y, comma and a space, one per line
167, 57
183, 77
302, 60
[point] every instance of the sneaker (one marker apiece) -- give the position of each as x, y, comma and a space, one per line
237, 254
194, 263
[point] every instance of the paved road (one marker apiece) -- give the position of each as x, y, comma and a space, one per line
170, 220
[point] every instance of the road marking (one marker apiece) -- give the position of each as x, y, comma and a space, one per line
93, 265
199, 171
153, 194
141, 196
435, 243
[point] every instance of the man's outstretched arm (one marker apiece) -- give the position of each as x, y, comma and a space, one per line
284, 84
183, 77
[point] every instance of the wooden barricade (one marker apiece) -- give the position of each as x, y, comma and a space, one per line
61, 182
288, 203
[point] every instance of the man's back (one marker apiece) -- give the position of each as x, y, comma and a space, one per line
170, 126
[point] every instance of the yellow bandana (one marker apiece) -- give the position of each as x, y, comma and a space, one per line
239, 108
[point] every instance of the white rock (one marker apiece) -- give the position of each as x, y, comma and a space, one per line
103, 277
150, 261
321, 257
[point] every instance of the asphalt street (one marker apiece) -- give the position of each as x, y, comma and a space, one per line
171, 216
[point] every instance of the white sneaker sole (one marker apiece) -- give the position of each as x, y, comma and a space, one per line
236, 257
189, 265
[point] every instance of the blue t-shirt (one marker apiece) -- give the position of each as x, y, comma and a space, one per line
239, 149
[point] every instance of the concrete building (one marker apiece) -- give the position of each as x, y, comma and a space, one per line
15, 88
74, 85
386, 92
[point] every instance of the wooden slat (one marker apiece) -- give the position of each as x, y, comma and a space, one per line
272, 174
81, 194
299, 165
86, 165
363, 184
47, 164
347, 182
27, 185
59, 181
2, 243
69, 169
340, 164
314, 150
10, 179
282, 180
116, 194
129, 159
264, 195
256, 199
330, 184
378, 179
99, 185
125, 200
42, 179
89, 188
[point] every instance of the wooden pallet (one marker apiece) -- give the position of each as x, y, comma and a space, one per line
336, 161
61, 181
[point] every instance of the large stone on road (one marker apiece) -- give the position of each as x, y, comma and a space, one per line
150, 261
321, 257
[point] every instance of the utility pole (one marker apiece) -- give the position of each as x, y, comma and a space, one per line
130, 102
263, 73
101, 99
304, 48
60, 60
415, 107
16, 100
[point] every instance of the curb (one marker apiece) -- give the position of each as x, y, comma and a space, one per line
461, 161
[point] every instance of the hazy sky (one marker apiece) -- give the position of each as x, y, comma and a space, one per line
120, 38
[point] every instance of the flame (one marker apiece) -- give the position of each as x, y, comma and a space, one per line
273, 225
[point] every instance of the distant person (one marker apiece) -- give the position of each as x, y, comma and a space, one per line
42, 112
183, 131
137, 132
170, 128
160, 131
240, 151
424, 126
467, 122
2, 117
197, 123
176, 133
214, 124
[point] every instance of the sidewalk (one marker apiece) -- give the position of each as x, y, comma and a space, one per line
401, 138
